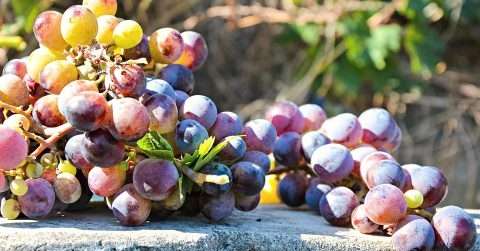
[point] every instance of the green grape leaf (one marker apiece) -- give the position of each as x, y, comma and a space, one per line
155, 146
206, 146
383, 40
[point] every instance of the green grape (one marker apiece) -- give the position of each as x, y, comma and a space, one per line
34, 170
10, 209
414, 198
57, 75
38, 59
127, 34
79, 25
101, 7
106, 25
49, 160
67, 167
18, 187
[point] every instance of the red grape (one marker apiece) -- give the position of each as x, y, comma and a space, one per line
13, 90
431, 182
246, 203
311, 141
414, 233
106, 181
226, 124
217, 208
163, 113
126, 80
87, 111
286, 117
16, 67
46, 112
385, 204
358, 154
292, 188
287, 150
72, 89
200, 108
343, 129
313, 117
47, 30
315, 191
248, 178
217, 169
73, 153
260, 135
386, 172
195, 51
67, 188
372, 160
13, 148
100, 148
378, 127
361, 222
166, 45
124, 126
259, 158
454, 228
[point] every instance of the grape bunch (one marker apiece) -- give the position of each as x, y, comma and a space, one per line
102, 109
342, 168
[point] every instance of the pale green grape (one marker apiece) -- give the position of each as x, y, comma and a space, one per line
67, 167
414, 198
18, 187
10, 209
127, 34
34, 170
79, 25
106, 25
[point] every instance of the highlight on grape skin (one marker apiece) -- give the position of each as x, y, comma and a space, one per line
286, 117
260, 135
337, 206
332, 162
155, 179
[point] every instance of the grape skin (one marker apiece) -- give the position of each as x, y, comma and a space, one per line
127, 34
13, 90
195, 50
72, 89
260, 135
180, 97
217, 169
233, 151
286, 117
67, 188
200, 108
39, 200
79, 25
16, 67
155, 179
372, 160
123, 126
126, 80
85, 197
287, 149
226, 124
361, 222
37, 60
217, 208
179, 77
13, 148
292, 189
386, 172
454, 228
47, 30
313, 117
246, 203
106, 25
414, 233
311, 141
87, 111
248, 178
378, 127
100, 148
101, 7
337, 206
189, 135
358, 154
332, 162
46, 112
130, 208
163, 113
314, 193
106, 181
166, 45
73, 153
385, 204
431, 182
259, 158
159, 86
343, 129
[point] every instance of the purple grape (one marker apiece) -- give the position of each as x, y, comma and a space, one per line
246, 203
73, 152
155, 179
454, 228
201, 109
332, 162
287, 150
431, 182
123, 126
217, 208
142, 50
130, 208
286, 117
260, 135
163, 113
234, 150
159, 86
395, 141
100, 148
311, 141
292, 188
189, 135
378, 127
227, 124
361, 222
414, 233
385, 204
315, 191
195, 50
126, 80
386, 172
259, 158
337, 206
343, 129
179, 77
313, 117
180, 98
39, 199
87, 111
217, 169
248, 178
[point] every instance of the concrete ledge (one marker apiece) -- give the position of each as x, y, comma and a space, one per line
268, 228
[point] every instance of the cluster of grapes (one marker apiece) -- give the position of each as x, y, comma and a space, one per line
102, 98
342, 168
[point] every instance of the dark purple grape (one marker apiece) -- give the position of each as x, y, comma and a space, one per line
454, 228
414, 233
315, 191
159, 86
234, 150
248, 178
287, 150
385, 204
260, 135
259, 158
217, 169
361, 222
292, 188
100, 148
217, 208
226, 124
130, 208
71, 90
129, 120
140, 51
386, 172
337, 206
311, 141
39, 199
313, 117
155, 179
246, 203
179, 77
343, 129
126, 80
189, 135
180, 98
332, 162
163, 113
201, 109
74, 154
286, 117
87, 111
431, 182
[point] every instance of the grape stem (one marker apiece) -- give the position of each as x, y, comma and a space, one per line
424, 213
56, 133
200, 178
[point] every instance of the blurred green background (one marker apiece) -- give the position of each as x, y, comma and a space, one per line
418, 58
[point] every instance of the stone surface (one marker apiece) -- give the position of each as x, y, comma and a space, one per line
267, 228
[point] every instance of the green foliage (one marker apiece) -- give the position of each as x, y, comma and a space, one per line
155, 146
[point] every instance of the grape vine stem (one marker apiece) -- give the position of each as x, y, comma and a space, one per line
56, 133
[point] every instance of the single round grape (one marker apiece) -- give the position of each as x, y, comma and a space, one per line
72, 89
83, 202
47, 30
343, 129
123, 126
73, 152
39, 200
259, 158
332, 162
166, 45
106, 181
248, 178
313, 117
384, 204
130, 208
386, 172
37, 60
141, 50
189, 135
292, 189
395, 141
66, 166
246, 203
372, 160
454, 228
101, 7
180, 98
17, 122
10, 209
201, 109
18, 187
287, 149
87, 111
67, 188
226, 124
16, 67
413, 198
195, 51
79, 25
159, 86
233, 151
217, 169
127, 34
46, 112
311, 141
106, 25
155, 179
217, 208
286, 117
163, 113
358, 154
179, 77
126, 80
378, 126
361, 222
260, 135
314, 193
13, 90
414, 233
337, 206
33, 170
100, 148
431, 182
13, 148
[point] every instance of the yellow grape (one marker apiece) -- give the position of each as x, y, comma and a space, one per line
34, 170
106, 25
79, 25
47, 30
127, 34
13, 90
67, 167
10, 209
101, 7
414, 198
17, 122
38, 59
57, 75
18, 187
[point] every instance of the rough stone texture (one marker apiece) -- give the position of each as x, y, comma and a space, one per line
268, 228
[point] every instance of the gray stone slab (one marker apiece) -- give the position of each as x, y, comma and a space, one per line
267, 228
